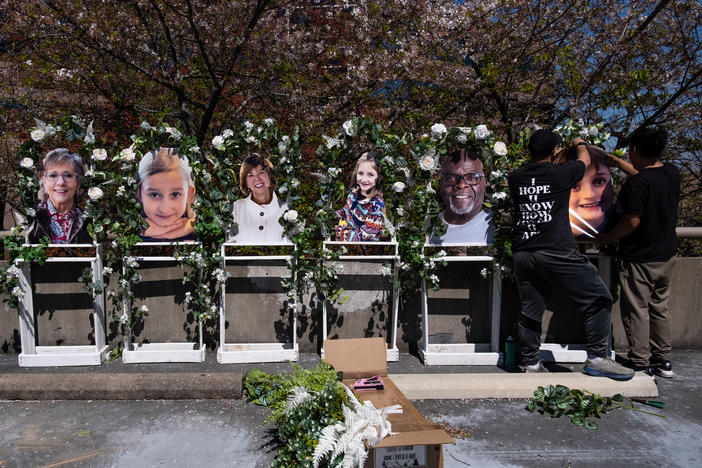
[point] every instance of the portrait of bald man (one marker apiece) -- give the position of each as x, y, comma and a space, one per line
462, 188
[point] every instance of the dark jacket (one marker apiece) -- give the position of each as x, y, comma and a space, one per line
41, 227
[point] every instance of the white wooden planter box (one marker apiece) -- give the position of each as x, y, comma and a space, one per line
229, 353
80, 355
465, 353
161, 352
393, 354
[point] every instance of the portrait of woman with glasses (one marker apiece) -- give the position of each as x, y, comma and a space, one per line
462, 188
58, 217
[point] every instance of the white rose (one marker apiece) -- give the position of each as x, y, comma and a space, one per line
290, 216
462, 138
499, 195
27, 163
37, 135
99, 154
95, 193
174, 132
218, 142
144, 308
127, 154
594, 131
349, 128
438, 130
227, 133
481, 132
427, 163
465, 130
496, 174
398, 187
584, 133
500, 148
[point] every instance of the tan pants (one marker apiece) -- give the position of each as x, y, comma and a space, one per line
645, 291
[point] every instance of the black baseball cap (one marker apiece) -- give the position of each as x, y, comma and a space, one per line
543, 141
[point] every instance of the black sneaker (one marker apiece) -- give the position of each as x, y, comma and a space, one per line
645, 369
663, 369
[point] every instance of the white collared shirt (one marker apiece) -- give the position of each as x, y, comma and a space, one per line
258, 224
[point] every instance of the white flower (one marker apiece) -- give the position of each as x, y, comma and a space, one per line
427, 162
481, 132
95, 193
136, 278
121, 191
438, 130
221, 275
249, 126
465, 130
251, 139
107, 271
385, 270
127, 154
37, 135
175, 134
13, 271
500, 148
483, 272
333, 172
268, 121
89, 135
144, 308
290, 216
332, 142
294, 183
499, 195
227, 133
99, 154
145, 125
27, 163
594, 131
349, 128
195, 149
584, 133
398, 187
124, 318
462, 138
17, 291
388, 160
496, 174
218, 142
434, 279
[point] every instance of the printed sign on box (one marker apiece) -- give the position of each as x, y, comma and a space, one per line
403, 455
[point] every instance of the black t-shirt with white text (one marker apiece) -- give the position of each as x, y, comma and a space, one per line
653, 195
541, 192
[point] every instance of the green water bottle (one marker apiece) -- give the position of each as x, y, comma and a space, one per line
509, 352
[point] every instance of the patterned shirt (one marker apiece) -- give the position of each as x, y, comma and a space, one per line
60, 224
361, 220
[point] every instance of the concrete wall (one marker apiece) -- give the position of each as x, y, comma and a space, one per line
257, 310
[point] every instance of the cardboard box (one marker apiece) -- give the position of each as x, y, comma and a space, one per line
416, 440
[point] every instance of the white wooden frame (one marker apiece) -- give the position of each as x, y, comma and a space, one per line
80, 355
577, 353
393, 354
465, 353
228, 353
160, 352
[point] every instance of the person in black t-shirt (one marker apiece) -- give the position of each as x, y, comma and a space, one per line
545, 255
648, 210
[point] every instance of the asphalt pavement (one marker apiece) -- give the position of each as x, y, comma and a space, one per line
230, 432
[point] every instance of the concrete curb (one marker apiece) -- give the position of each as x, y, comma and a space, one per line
122, 386
459, 386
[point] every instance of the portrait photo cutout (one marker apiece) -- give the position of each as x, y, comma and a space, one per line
165, 190
462, 186
257, 217
362, 218
58, 217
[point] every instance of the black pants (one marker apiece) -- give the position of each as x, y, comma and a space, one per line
537, 274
